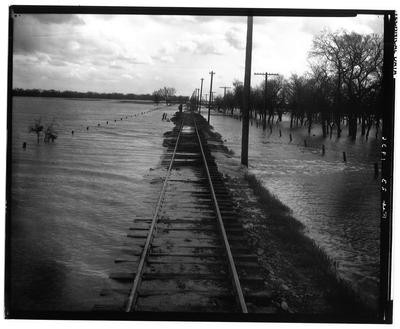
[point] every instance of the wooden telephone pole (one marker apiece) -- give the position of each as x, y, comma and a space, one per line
266, 74
209, 102
192, 100
197, 98
201, 91
212, 96
246, 93
225, 88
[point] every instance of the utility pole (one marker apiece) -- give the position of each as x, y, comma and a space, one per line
197, 98
225, 88
246, 93
201, 91
209, 103
212, 96
266, 74
193, 100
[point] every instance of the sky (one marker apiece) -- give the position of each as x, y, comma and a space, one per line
142, 53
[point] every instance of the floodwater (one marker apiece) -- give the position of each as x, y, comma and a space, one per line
72, 200
337, 201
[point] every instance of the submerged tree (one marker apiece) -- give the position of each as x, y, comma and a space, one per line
342, 87
354, 64
50, 132
37, 128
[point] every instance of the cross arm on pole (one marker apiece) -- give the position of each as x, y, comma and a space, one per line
266, 73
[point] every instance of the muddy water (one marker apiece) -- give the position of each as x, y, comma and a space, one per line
337, 201
72, 200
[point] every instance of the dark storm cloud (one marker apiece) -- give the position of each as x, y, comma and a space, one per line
61, 48
33, 33
60, 51
58, 19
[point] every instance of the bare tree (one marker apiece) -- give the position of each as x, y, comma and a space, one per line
157, 96
50, 132
354, 63
37, 128
166, 92
274, 87
323, 91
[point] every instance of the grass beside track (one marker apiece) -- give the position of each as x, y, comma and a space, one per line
304, 253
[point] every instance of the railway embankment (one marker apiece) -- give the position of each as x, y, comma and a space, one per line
190, 255
183, 264
301, 277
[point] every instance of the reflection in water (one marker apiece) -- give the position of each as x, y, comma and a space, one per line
72, 201
338, 202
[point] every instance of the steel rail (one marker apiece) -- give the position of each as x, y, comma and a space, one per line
138, 278
232, 267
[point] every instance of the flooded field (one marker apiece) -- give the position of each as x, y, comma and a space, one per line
337, 201
72, 200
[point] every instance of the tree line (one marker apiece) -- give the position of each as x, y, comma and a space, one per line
343, 87
76, 94
167, 94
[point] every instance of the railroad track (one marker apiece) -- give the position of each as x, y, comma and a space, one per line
191, 255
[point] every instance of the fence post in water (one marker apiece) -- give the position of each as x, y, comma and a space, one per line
280, 133
323, 149
376, 169
305, 143
290, 136
344, 157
